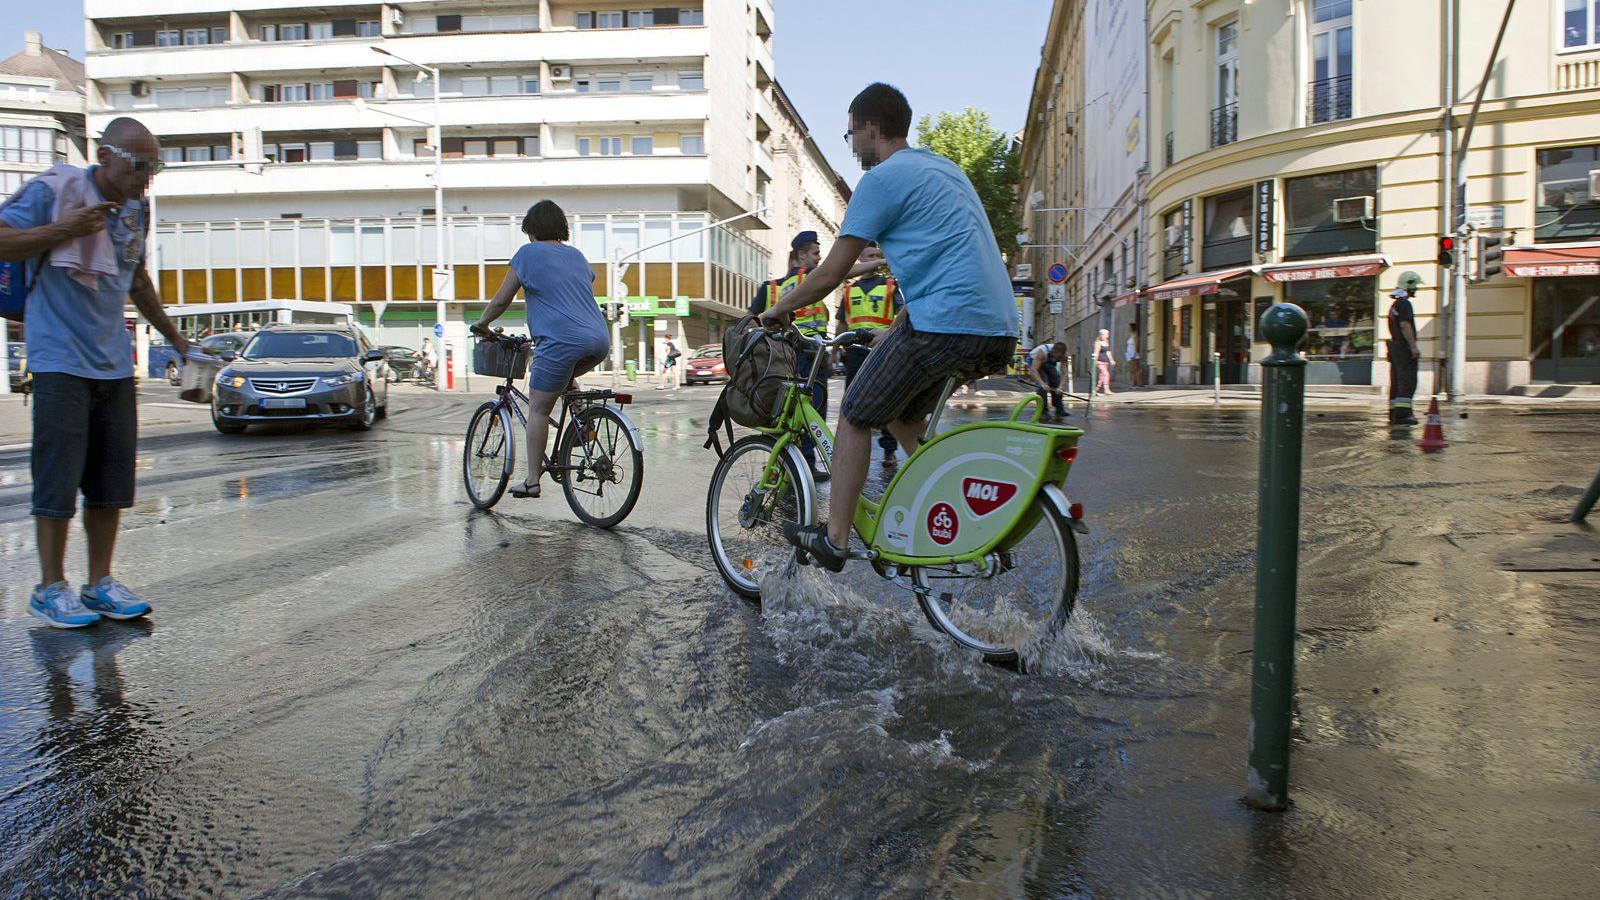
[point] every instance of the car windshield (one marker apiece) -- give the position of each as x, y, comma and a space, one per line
705, 352
300, 345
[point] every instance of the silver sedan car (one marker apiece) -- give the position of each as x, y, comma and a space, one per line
302, 373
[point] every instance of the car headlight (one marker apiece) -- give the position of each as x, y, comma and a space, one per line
337, 380
228, 379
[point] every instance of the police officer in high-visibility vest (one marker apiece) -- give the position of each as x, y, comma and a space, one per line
804, 253
870, 303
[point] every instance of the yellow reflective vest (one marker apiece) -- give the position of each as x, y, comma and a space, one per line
811, 320
870, 309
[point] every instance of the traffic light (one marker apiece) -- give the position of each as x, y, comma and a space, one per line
1447, 251
1488, 257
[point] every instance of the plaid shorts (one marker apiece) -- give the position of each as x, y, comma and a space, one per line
905, 373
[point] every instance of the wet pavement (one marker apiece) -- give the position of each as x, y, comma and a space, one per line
354, 684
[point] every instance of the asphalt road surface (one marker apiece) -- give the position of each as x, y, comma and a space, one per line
356, 685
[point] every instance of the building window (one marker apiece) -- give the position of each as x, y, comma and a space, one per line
285, 153
691, 17
584, 146
641, 82
609, 84
1566, 210
692, 145
1225, 115
505, 85
169, 38
1580, 24
692, 81
321, 31
641, 18
505, 147
121, 40
600, 146
476, 147
27, 145
369, 149
643, 146
1332, 33
1227, 234
582, 85
530, 84
1172, 244
600, 19
530, 146
475, 86
321, 91
196, 36
369, 28
1312, 227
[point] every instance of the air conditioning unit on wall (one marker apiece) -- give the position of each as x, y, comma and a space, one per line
1594, 184
397, 17
1173, 235
560, 73
1354, 209
139, 89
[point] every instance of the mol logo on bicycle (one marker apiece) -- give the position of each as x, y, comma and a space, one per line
942, 524
984, 496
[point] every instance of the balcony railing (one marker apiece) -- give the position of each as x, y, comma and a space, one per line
1169, 154
1328, 100
1225, 124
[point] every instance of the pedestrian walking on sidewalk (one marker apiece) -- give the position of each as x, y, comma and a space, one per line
82, 234
1104, 361
1135, 374
1403, 358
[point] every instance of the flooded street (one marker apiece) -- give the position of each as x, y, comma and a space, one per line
356, 685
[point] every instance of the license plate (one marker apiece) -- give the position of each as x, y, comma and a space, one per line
283, 403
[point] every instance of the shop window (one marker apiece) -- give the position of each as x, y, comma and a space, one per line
1185, 324
1339, 344
1567, 211
1172, 244
1227, 234
1316, 227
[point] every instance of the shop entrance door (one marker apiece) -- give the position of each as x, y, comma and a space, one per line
1232, 342
1566, 330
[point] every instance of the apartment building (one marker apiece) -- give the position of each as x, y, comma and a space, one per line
41, 112
301, 157
805, 193
1303, 155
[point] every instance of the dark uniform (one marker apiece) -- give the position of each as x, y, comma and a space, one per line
1402, 362
871, 303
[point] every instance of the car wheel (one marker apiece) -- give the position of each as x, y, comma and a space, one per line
173, 376
368, 414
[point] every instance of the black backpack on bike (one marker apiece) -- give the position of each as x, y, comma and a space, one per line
758, 364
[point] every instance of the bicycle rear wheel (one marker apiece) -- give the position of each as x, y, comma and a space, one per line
744, 526
603, 471
1010, 604
489, 456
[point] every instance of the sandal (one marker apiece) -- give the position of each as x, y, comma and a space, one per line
526, 490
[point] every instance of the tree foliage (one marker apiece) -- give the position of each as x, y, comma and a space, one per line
985, 154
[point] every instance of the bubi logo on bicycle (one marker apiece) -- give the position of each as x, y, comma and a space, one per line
942, 524
984, 496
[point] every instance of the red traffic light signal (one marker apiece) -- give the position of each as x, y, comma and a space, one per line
1447, 251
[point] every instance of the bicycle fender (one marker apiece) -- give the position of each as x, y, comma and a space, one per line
808, 484
632, 431
1058, 499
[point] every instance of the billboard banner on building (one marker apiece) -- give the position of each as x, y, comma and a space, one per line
1113, 89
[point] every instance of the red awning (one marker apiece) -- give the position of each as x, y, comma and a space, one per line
1552, 262
1319, 269
1195, 285
1124, 300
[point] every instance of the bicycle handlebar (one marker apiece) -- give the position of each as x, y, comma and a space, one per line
499, 334
844, 339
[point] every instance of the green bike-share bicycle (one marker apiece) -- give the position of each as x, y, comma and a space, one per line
976, 522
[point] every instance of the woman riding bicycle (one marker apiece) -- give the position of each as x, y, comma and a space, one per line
569, 333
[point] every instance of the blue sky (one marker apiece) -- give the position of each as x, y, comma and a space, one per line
827, 50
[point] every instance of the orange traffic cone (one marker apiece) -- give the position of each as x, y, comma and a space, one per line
1433, 429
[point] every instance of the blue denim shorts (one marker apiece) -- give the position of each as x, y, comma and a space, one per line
556, 363
85, 438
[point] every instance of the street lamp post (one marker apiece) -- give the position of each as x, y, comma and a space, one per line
442, 273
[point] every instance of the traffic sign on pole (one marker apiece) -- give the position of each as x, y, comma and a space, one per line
1057, 273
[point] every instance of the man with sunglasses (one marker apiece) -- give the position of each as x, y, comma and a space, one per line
82, 234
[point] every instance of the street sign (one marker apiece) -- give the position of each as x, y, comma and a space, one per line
1056, 297
650, 307
1487, 217
1024, 271
1057, 273
438, 329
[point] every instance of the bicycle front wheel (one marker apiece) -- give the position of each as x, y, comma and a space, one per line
602, 471
744, 518
489, 456
1012, 603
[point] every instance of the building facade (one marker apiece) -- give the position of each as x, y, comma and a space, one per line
300, 147
41, 112
1304, 159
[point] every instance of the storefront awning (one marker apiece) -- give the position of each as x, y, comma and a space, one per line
1319, 269
1124, 300
1552, 262
1195, 285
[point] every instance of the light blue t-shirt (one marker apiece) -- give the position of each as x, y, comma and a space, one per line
558, 287
927, 219
69, 328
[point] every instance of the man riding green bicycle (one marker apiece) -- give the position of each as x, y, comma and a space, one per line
958, 321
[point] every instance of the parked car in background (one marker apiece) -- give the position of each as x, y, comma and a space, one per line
705, 365
302, 373
16, 363
164, 361
403, 362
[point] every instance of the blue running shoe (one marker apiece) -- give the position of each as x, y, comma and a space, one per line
56, 604
112, 599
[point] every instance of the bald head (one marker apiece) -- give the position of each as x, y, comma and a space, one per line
129, 155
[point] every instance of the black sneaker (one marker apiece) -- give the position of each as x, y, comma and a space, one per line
812, 540
820, 475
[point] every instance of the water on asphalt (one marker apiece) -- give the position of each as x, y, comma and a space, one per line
355, 685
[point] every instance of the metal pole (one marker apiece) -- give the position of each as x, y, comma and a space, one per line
1588, 501
615, 292
1277, 556
1216, 378
438, 229
1069, 375
1447, 195
5, 358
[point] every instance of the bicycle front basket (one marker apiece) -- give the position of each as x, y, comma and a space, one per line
497, 359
